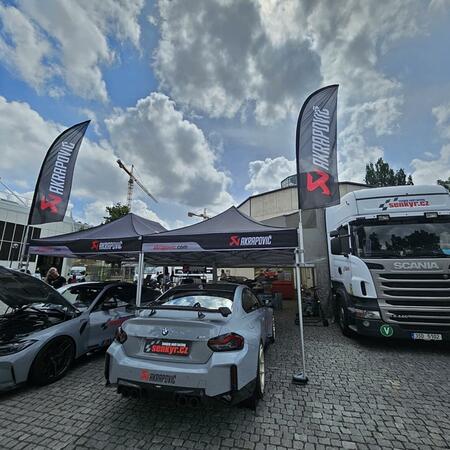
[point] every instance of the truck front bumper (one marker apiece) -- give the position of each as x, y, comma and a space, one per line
385, 330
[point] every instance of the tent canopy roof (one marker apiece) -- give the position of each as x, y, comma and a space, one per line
230, 221
129, 226
230, 239
119, 239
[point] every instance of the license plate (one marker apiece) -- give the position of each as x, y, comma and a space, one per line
427, 336
159, 347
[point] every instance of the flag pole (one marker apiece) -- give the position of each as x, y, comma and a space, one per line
300, 378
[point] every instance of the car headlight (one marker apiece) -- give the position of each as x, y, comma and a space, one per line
14, 347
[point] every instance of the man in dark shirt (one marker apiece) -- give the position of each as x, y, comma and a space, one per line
54, 279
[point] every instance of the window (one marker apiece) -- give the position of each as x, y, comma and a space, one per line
2, 227
9, 232
4, 251
18, 233
82, 296
249, 301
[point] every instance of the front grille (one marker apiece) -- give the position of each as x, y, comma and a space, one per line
421, 287
414, 300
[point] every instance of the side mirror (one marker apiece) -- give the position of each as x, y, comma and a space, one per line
334, 233
336, 246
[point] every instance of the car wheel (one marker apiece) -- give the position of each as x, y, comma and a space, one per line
342, 319
258, 393
272, 338
53, 361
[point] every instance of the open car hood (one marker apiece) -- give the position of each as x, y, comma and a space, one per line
18, 289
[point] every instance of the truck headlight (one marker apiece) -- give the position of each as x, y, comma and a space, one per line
15, 347
367, 314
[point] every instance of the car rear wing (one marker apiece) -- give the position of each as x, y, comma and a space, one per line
224, 311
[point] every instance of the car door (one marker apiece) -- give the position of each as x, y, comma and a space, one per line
111, 309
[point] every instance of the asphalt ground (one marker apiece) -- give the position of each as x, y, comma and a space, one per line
361, 394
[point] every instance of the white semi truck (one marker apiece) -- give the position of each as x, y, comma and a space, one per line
389, 252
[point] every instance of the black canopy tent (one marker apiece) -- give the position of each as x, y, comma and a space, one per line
113, 241
230, 239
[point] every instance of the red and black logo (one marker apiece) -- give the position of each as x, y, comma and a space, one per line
320, 180
95, 246
235, 241
51, 204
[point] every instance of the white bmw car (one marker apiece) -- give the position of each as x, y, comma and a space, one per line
196, 342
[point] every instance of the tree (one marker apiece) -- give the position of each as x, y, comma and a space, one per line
116, 212
445, 183
381, 174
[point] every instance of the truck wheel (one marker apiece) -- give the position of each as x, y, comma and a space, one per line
53, 361
342, 318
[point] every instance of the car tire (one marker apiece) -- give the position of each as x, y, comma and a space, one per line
272, 337
53, 361
258, 393
342, 318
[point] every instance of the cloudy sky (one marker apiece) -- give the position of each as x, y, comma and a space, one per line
202, 95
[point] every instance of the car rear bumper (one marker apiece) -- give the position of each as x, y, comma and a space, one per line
218, 377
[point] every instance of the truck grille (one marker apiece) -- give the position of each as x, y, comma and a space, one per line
424, 288
417, 301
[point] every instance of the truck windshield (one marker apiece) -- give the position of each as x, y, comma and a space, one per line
396, 239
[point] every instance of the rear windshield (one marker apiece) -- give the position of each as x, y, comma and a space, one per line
210, 300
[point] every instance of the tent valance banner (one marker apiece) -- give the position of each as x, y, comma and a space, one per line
54, 183
316, 148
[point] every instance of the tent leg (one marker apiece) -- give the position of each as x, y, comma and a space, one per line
301, 377
214, 274
140, 279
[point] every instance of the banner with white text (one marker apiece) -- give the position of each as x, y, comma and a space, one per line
316, 147
54, 184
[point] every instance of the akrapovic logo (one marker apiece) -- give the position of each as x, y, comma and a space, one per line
320, 152
416, 265
57, 179
392, 203
250, 241
98, 246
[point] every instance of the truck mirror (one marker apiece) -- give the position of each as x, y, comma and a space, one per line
345, 245
334, 233
336, 246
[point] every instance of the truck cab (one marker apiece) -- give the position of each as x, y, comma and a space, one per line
389, 253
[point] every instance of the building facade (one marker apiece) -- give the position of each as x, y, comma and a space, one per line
14, 212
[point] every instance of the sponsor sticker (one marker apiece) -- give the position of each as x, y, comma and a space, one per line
249, 241
386, 330
393, 203
148, 376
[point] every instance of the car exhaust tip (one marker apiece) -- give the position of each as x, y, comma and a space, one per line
124, 391
194, 402
181, 400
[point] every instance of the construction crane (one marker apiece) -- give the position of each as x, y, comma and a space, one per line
131, 182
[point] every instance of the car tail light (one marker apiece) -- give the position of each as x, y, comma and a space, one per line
226, 342
121, 336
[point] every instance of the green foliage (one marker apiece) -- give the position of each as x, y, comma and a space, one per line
116, 212
381, 174
445, 183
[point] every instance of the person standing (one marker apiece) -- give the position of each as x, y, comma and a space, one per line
54, 279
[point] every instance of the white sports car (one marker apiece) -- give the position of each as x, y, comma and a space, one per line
196, 342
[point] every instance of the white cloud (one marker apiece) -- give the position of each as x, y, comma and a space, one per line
267, 175
28, 49
231, 58
172, 155
45, 41
442, 115
429, 171
216, 57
